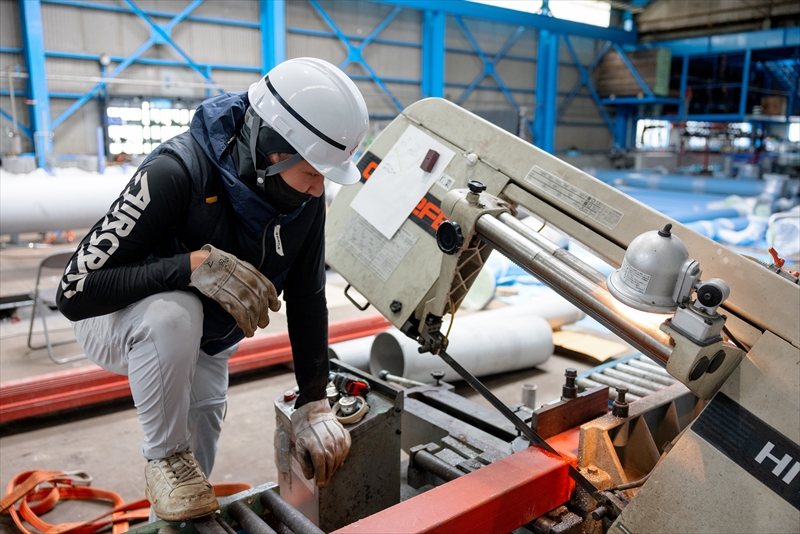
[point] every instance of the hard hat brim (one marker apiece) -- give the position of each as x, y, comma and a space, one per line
345, 175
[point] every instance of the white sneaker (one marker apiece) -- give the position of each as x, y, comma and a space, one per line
177, 489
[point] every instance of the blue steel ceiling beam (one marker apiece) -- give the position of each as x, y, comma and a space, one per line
434, 29
150, 61
575, 90
273, 33
729, 43
30, 12
135, 56
585, 80
518, 18
101, 85
354, 52
633, 71
164, 34
164, 14
489, 65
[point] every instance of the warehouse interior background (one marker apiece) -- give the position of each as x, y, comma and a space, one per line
690, 108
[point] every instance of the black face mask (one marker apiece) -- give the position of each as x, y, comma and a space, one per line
281, 195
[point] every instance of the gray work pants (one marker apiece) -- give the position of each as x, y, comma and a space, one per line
179, 391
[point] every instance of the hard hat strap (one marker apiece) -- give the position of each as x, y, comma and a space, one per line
255, 123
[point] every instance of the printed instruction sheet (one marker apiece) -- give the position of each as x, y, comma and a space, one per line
380, 255
397, 185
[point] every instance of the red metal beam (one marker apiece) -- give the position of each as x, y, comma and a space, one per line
499, 497
54, 392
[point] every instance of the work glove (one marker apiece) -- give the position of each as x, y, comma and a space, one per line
244, 292
321, 441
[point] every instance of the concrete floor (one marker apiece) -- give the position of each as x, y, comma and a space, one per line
107, 443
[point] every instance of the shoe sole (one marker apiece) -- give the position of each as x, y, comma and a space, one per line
193, 514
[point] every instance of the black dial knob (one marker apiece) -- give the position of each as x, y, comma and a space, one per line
449, 237
476, 187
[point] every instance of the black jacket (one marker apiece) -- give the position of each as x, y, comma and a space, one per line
187, 194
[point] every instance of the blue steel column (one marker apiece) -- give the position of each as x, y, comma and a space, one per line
682, 111
38, 97
621, 127
433, 50
544, 126
273, 33
745, 83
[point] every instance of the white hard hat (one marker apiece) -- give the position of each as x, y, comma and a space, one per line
318, 110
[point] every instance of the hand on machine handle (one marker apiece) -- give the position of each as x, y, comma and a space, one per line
321, 441
238, 286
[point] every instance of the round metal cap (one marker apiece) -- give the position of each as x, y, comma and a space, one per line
650, 271
348, 405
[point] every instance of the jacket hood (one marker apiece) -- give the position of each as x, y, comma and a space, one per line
214, 126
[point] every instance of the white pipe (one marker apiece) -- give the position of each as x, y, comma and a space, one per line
553, 308
354, 352
71, 200
484, 343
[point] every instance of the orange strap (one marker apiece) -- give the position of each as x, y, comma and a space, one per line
57, 485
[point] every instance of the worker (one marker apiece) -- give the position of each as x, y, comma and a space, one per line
192, 256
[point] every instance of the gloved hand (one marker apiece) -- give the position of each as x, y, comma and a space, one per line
238, 286
321, 441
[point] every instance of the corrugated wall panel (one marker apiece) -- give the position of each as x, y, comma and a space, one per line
215, 43
227, 9
74, 29
78, 135
13, 63
10, 32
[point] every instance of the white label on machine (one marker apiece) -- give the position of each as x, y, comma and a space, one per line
395, 187
634, 278
577, 198
380, 255
446, 181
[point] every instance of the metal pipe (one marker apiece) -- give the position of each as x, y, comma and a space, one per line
633, 379
248, 519
405, 382
647, 365
588, 383
207, 525
354, 352
653, 377
617, 383
575, 287
487, 343
288, 514
225, 526
561, 254
440, 468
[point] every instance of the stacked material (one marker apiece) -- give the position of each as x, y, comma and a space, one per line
639, 374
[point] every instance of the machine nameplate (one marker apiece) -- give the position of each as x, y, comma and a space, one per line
752, 444
634, 278
579, 199
370, 247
